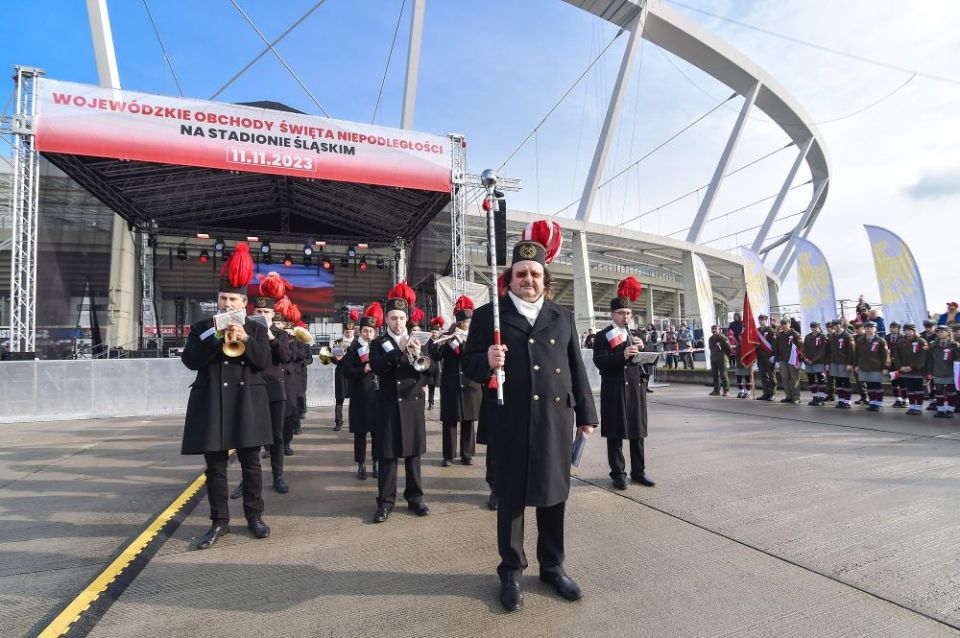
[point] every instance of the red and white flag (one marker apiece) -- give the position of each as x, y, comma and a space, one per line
364, 352
614, 338
794, 356
455, 345
894, 375
751, 338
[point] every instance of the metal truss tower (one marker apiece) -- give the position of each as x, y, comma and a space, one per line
458, 213
24, 208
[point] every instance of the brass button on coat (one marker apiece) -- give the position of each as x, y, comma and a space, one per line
556, 399
536, 397
535, 368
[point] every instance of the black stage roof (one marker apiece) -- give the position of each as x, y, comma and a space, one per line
185, 200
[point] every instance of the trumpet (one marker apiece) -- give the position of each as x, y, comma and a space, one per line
419, 362
232, 346
303, 335
460, 335
325, 355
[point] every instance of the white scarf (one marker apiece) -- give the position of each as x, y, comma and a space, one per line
529, 310
396, 336
362, 342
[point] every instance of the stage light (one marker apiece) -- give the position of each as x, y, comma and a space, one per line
351, 252
307, 249
362, 246
204, 256
344, 262
363, 264
219, 245
253, 238
380, 263
326, 263
203, 236
320, 244
182, 253
287, 261
265, 247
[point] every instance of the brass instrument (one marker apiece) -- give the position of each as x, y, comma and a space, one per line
420, 363
443, 340
325, 355
232, 346
303, 335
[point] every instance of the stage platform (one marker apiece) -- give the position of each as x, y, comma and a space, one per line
767, 520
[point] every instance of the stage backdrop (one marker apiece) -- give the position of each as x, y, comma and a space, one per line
478, 293
79, 119
817, 299
901, 288
313, 293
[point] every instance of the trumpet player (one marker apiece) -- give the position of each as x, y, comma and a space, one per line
228, 406
401, 428
285, 313
341, 389
433, 379
459, 394
363, 385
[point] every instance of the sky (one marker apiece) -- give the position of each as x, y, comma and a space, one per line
493, 74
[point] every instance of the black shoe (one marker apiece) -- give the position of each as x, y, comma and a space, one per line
265, 454
383, 511
212, 535
873, 408
430, 407
564, 585
493, 502
644, 480
376, 469
298, 430
511, 595
287, 450
466, 460
237, 491
844, 406
814, 402
362, 472
258, 527
446, 463
931, 407
830, 398
715, 393
767, 398
619, 483
419, 508
786, 400
861, 402
280, 485
726, 392
940, 415
649, 390
338, 426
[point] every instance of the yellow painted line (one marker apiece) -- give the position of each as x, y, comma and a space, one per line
61, 624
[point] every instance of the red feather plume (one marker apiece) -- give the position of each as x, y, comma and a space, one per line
354, 315
463, 303
438, 322
547, 234
374, 310
238, 270
300, 324
629, 288
501, 287
273, 285
296, 313
403, 291
417, 315
284, 307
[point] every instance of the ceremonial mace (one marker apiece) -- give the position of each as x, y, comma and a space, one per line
489, 181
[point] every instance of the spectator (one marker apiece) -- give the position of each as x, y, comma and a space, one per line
875, 317
951, 316
685, 343
794, 324
588, 340
862, 308
736, 325
653, 341
670, 347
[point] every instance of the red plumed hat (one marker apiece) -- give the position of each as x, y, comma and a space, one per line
286, 308
438, 322
372, 316
237, 271
463, 308
354, 314
547, 234
627, 292
401, 297
273, 285
417, 316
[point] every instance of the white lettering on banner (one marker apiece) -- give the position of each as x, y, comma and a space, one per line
78, 119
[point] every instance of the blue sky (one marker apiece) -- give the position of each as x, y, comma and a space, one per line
492, 70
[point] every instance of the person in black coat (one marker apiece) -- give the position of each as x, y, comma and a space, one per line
341, 389
433, 378
362, 384
306, 359
623, 392
401, 431
459, 394
228, 406
546, 393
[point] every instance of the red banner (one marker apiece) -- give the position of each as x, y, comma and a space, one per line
78, 119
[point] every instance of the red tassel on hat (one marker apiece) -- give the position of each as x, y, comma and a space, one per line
273, 285
547, 234
463, 303
374, 310
629, 288
438, 322
416, 316
403, 291
238, 269
354, 315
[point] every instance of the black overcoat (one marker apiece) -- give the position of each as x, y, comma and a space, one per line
228, 406
623, 391
400, 424
546, 393
362, 387
274, 374
459, 394
341, 389
433, 374
306, 359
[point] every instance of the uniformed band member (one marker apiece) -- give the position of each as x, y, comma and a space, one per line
341, 389
897, 383
872, 362
929, 335
293, 370
740, 371
840, 356
859, 330
228, 406
767, 371
363, 384
719, 347
400, 424
909, 357
546, 393
623, 392
943, 353
276, 392
785, 341
433, 379
816, 358
459, 394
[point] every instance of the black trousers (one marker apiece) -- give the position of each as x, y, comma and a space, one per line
387, 481
432, 389
468, 439
489, 473
338, 412
301, 404
510, 526
617, 463
276, 450
217, 493
360, 446
290, 423
767, 375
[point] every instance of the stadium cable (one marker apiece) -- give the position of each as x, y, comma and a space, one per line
697, 190
821, 47
163, 49
267, 49
744, 207
393, 44
633, 133
654, 150
279, 57
757, 227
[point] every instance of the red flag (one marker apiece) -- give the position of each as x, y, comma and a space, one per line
750, 339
